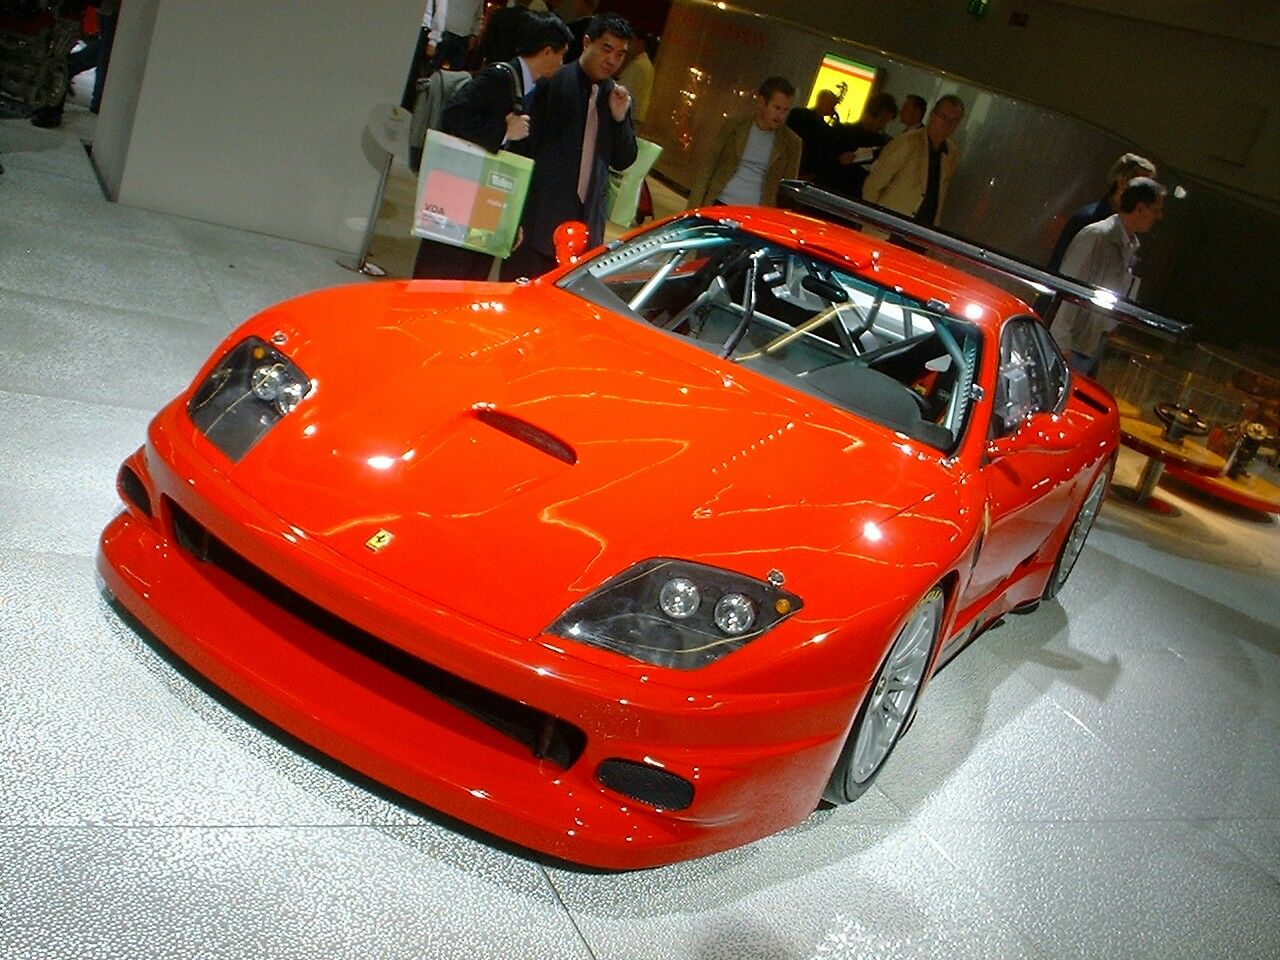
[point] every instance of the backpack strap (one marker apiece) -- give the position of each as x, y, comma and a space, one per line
517, 96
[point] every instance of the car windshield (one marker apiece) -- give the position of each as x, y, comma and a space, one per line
797, 318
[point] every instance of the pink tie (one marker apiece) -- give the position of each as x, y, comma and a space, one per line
588, 145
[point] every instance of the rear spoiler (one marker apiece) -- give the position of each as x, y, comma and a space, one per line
797, 193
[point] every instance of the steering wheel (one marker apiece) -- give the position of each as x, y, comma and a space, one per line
1180, 421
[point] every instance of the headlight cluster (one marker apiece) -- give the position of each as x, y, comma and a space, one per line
245, 395
673, 613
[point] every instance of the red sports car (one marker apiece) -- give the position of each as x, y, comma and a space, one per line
632, 563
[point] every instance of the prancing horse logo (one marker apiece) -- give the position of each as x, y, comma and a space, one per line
379, 540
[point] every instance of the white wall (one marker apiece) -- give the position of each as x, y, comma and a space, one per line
1188, 89
251, 113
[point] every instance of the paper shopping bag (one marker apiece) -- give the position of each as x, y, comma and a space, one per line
623, 195
469, 197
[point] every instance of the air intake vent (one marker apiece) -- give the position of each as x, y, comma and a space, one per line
526, 432
133, 490
1089, 401
650, 785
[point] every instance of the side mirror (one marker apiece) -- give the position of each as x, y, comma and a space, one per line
571, 242
1039, 433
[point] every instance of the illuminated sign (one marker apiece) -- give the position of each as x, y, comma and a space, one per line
849, 80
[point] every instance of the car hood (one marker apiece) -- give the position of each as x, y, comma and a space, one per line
507, 449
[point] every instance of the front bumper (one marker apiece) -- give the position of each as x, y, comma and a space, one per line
757, 761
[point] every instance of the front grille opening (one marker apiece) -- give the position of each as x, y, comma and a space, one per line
547, 737
133, 490
650, 785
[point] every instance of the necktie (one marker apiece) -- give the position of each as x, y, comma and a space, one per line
589, 131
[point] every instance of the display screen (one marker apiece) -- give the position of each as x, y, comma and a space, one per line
849, 80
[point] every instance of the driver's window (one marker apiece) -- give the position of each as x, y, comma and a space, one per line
1022, 382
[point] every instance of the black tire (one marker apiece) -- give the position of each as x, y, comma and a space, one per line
884, 717
1077, 534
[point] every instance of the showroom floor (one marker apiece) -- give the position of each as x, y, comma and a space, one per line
1098, 779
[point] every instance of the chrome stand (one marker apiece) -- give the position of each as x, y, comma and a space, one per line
362, 263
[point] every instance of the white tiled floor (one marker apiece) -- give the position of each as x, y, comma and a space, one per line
1098, 779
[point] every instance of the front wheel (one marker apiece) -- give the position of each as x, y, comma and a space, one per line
1073, 544
889, 702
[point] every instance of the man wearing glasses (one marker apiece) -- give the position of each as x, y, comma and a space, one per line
913, 170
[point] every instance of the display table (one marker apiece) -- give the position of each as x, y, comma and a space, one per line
1253, 493
1149, 440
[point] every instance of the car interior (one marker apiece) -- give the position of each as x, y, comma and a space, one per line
797, 319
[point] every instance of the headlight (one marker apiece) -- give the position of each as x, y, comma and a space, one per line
673, 613
735, 614
679, 598
245, 395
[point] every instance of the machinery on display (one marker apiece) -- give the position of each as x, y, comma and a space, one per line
1253, 436
1180, 421
35, 38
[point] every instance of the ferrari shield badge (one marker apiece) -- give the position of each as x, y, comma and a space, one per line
379, 540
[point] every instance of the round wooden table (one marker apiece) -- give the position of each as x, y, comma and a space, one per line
1253, 493
1148, 439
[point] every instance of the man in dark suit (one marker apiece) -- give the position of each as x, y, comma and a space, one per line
491, 112
857, 145
581, 126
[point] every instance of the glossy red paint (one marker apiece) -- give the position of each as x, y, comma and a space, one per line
676, 453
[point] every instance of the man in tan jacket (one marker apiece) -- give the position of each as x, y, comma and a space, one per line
913, 170
751, 154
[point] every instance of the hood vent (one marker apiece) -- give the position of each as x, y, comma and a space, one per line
526, 432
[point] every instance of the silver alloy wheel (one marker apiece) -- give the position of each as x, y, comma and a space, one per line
1079, 531
894, 690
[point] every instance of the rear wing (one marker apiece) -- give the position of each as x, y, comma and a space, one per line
798, 194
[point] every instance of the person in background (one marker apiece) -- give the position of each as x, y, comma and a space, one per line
637, 75
453, 28
578, 15
498, 38
913, 170
1103, 254
1130, 165
911, 114
816, 128
438, 45
490, 112
752, 153
857, 145
582, 126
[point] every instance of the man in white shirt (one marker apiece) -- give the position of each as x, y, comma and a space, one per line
910, 115
1103, 254
752, 153
452, 28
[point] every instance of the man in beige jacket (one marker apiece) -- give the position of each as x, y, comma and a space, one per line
751, 154
913, 170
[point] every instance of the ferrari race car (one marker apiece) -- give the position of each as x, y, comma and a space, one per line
635, 562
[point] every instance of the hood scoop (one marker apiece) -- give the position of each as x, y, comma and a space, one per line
525, 432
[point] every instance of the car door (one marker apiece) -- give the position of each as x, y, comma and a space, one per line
1029, 492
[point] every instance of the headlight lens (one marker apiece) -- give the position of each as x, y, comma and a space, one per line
679, 598
673, 613
734, 614
245, 395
